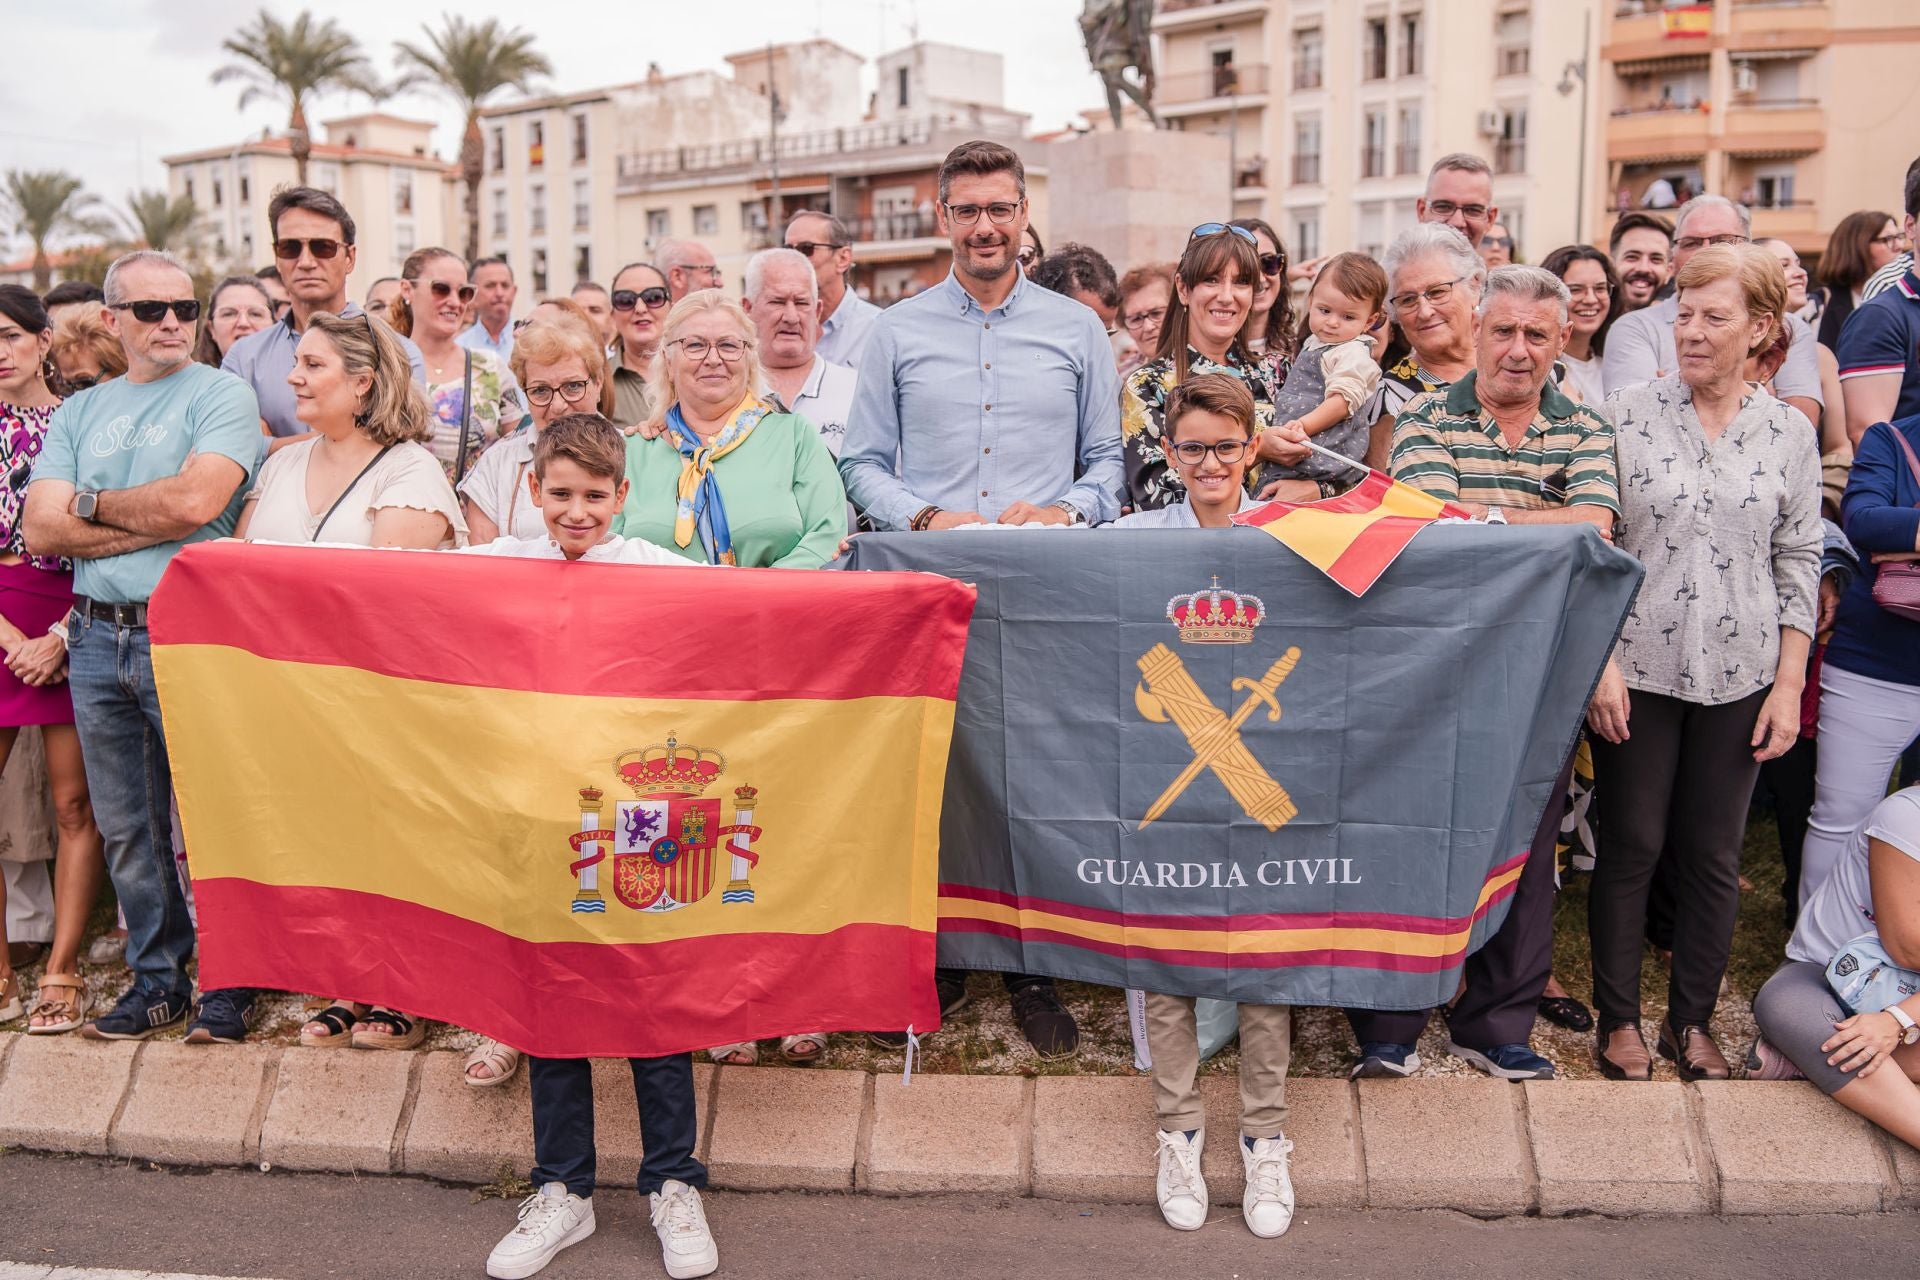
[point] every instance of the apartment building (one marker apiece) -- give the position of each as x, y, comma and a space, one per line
580, 184
1790, 106
1334, 109
381, 166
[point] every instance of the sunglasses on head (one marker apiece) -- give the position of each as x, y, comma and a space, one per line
289, 249
1215, 228
441, 289
185, 310
653, 299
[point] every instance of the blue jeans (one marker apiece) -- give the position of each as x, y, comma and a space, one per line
117, 713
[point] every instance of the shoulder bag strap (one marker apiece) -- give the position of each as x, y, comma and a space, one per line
349, 489
1899, 437
466, 421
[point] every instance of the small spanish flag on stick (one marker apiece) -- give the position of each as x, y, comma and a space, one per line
1354, 537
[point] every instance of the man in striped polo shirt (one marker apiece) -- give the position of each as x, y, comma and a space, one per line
1503, 439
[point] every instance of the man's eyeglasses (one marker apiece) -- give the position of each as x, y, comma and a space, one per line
1193, 453
442, 290
653, 299
185, 310
1444, 209
289, 250
570, 391
1215, 228
696, 349
810, 247
1000, 212
1434, 295
1141, 319
1687, 244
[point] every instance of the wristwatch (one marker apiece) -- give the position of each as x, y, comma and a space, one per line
86, 503
1073, 512
1909, 1029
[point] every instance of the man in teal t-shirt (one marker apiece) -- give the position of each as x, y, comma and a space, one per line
131, 471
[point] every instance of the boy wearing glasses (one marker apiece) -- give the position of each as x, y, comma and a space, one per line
313, 244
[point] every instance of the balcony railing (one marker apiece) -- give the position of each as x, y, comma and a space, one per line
1373, 162
1510, 156
1308, 74
824, 144
907, 225
1406, 158
1306, 169
1514, 60
1214, 82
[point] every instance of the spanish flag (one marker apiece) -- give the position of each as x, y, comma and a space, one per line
590, 810
1354, 537
1686, 22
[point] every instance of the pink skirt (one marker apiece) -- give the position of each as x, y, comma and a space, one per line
33, 600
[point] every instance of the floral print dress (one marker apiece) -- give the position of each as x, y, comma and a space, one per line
498, 409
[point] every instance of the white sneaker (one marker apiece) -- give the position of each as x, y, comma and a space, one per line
550, 1220
1181, 1190
686, 1245
1268, 1202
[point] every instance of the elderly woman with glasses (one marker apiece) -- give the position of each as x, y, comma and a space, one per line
719, 473
474, 396
1433, 282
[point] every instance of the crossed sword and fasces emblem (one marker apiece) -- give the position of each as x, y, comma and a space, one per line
1168, 692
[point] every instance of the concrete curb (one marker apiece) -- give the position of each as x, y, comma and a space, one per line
1477, 1146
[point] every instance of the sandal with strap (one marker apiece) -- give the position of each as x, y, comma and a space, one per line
66, 1013
502, 1060
743, 1054
10, 1006
388, 1029
338, 1020
808, 1046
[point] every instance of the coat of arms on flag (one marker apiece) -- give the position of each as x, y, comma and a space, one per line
664, 842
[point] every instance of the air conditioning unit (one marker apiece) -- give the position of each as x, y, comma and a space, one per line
1745, 80
1490, 124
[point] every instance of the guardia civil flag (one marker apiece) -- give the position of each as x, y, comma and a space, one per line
587, 809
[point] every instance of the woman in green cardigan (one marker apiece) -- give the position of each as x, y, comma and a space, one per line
719, 472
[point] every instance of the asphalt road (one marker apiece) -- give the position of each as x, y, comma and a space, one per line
88, 1213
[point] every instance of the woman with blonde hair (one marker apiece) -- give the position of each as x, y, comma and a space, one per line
84, 353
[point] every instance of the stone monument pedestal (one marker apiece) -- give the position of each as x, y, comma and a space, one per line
1136, 194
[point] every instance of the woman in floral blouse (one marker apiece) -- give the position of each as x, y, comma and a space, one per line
1720, 500
473, 394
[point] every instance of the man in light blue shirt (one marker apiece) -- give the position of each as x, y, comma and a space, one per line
846, 318
313, 242
493, 295
131, 471
983, 398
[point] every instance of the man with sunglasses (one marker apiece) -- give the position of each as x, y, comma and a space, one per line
688, 266
131, 471
313, 243
494, 292
846, 318
1640, 345
1460, 194
987, 398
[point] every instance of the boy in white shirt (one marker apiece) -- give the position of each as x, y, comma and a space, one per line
579, 484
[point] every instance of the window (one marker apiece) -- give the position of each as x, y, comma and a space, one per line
582, 205
497, 149
403, 192
1510, 152
536, 144
1306, 149
753, 216
187, 184
1309, 58
403, 239
1513, 34
327, 178
1412, 47
218, 189
659, 225
539, 271
1306, 237
499, 199
582, 262
1406, 156
1773, 190
246, 191
537, 209
706, 220
902, 83
1373, 149
1226, 81
1373, 64
580, 140
246, 246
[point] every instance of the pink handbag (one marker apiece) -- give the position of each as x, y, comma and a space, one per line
1896, 585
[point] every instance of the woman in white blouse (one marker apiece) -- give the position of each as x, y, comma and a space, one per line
363, 478
1720, 500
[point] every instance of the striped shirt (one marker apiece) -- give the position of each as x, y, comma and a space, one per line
1446, 444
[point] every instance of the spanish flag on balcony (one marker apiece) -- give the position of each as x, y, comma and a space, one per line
590, 810
1354, 537
1683, 22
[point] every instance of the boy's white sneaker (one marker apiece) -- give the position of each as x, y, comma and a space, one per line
686, 1245
550, 1219
1181, 1190
1268, 1202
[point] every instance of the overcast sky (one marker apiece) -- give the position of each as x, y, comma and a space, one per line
104, 88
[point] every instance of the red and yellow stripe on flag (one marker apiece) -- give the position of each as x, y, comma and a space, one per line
1354, 537
1686, 22
590, 810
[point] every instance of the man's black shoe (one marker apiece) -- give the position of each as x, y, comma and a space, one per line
1045, 1022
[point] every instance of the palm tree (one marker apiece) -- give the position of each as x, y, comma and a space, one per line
45, 204
161, 221
297, 61
469, 63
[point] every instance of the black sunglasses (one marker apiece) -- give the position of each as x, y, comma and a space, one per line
289, 249
82, 382
1273, 263
185, 310
441, 289
654, 298
809, 246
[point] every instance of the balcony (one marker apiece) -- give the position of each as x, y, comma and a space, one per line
1306, 169
1406, 158
1373, 162
1191, 15
1775, 127
1788, 21
1513, 60
1644, 29
1510, 155
1795, 221
1193, 92
815, 151
1661, 133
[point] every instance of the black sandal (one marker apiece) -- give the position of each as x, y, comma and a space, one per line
338, 1020
388, 1029
1565, 1011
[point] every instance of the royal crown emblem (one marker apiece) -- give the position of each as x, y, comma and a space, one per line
664, 842
1216, 616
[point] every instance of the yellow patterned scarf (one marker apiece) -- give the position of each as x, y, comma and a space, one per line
699, 506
